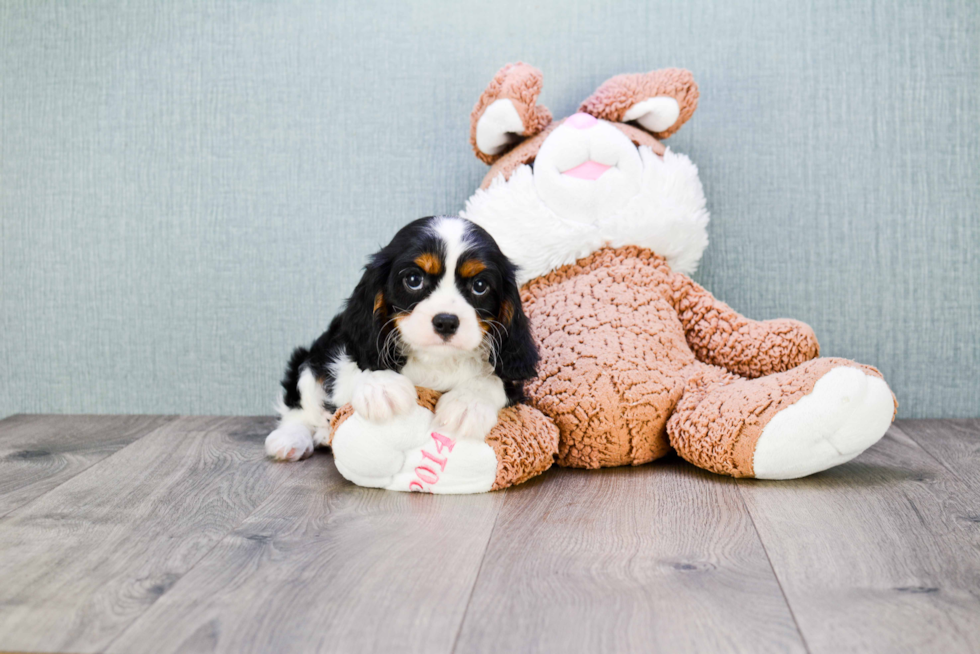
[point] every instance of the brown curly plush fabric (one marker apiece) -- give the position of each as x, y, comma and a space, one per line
524, 441
620, 336
720, 336
617, 95
521, 84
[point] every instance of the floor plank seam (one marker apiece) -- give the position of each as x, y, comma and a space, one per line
476, 580
928, 453
765, 550
82, 471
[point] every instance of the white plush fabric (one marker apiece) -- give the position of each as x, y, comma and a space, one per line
667, 215
847, 412
390, 455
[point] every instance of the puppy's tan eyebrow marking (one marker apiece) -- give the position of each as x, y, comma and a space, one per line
429, 263
471, 267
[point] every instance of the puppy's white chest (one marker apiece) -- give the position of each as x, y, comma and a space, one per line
444, 373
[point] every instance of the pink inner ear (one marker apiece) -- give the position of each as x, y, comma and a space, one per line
590, 170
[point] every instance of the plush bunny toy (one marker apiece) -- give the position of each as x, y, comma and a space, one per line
637, 360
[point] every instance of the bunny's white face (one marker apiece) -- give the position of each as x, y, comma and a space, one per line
557, 192
587, 169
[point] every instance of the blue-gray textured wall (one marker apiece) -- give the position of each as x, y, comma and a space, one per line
187, 189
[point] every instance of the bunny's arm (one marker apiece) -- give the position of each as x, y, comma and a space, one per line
720, 336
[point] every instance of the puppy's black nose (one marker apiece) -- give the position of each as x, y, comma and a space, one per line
445, 324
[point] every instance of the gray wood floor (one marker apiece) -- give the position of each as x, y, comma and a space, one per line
163, 534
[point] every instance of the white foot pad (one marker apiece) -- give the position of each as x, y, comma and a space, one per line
846, 413
406, 454
289, 442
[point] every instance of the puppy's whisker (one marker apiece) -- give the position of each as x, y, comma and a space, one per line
499, 325
491, 345
497, 336
382, 348
386, 354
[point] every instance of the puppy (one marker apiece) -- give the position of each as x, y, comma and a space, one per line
437, 307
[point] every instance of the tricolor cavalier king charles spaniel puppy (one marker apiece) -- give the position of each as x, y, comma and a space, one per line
438, 307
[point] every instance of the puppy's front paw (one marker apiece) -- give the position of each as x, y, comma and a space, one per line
465, 415
382, 394
289, 442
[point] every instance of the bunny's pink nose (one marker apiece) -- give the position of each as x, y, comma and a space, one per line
581, 121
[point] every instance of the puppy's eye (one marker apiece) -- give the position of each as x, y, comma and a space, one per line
414, 281
480, 287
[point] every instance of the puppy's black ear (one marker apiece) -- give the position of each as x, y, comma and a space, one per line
517, 356
365, 318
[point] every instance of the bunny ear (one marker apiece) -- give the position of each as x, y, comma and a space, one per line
507, 112
660, 102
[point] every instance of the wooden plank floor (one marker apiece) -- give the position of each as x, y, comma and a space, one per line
162, 534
